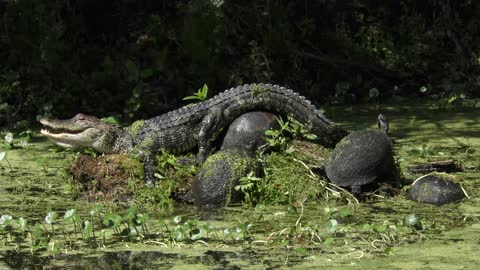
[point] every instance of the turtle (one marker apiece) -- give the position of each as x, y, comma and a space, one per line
213, 185
361, 158
437, 189
247, 131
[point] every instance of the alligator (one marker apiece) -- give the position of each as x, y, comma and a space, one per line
192, 125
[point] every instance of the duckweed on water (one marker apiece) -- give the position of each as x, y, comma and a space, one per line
288, 225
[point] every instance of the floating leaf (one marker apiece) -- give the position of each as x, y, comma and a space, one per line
23, 224
332, 225
411, 220
51, 217
96, 209
9, 138
86, 229
344, 212
177, 219
3, 155
69, 214
112, 220
329, 241
5, 220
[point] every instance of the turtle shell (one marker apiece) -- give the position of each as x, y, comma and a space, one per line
360, 158
247, 131
213, 186
435, 189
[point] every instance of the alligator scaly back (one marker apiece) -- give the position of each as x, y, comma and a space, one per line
184, 128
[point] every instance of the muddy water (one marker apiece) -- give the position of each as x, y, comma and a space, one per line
39, 183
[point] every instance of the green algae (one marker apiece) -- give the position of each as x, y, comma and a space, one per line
374, 234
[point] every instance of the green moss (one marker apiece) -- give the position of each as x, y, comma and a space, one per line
135, 128
289, 178
222, 171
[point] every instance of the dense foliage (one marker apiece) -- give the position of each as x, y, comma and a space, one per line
135, 59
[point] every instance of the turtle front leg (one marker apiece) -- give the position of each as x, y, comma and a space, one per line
356, 190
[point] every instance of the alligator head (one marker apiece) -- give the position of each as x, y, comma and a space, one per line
81, 131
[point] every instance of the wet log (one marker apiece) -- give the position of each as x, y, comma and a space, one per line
436, 166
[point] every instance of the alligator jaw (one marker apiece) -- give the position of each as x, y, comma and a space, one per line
80, 131
69, 139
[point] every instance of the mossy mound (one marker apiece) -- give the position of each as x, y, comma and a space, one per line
105, 178
120, 179
289, 177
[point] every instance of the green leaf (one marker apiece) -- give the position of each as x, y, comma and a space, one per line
23, 224
381, 228
3, 155
50, 217
201, 94
177, 219
366, 227
332, 225
301, 251
179, 235
411, 220
86, 229
329, 241
344, 212
69, 214
96, 209
146, 73
142, 219
111, 120
112, 220
5, 220
9, 138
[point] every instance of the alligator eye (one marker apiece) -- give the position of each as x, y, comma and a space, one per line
79, 117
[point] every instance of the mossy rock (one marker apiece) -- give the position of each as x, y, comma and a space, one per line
436, 189
213, 186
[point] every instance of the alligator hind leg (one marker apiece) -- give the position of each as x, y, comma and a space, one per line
210, 124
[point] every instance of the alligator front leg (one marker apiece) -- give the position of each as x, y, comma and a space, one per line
210, 124
148, 166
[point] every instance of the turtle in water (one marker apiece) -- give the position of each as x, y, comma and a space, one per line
361, 158
436, 189
214, 183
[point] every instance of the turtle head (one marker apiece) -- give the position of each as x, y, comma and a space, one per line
382, 123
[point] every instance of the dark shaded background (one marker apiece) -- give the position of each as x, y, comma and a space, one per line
135, 59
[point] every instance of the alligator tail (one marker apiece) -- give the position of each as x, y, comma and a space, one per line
281, 100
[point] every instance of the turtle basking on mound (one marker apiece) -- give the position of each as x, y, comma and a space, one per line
361, 158
248, 130
213, 186
436, 189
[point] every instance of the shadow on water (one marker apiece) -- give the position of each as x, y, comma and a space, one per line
137, 260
